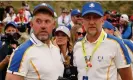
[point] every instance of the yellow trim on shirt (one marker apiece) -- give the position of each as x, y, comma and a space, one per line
23, 58
11, 59
108, 78
120, 50
35, 70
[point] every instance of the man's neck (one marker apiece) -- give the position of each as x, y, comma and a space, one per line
47, 42
93, 38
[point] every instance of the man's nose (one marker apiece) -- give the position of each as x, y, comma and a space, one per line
43, 24
91, 21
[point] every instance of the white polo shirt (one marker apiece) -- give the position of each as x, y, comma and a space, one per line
36, 61
110, 56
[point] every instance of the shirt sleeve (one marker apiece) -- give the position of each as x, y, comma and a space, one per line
130, 53
122, 58
19, 63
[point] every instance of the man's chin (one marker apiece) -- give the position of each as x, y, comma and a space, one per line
43, 38
92, 33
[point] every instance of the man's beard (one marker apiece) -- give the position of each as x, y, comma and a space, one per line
92, 33
43, 38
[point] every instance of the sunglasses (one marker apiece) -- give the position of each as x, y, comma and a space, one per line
80, 33
78, 16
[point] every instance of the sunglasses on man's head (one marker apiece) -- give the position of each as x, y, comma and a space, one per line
80, 33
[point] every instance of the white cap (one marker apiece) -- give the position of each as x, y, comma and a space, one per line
124, 17
1, 22
64, 29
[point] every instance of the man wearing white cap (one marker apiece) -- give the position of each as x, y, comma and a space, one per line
38, 58
99, 56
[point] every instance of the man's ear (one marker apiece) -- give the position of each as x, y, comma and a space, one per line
31, 23
102, 19
54, 24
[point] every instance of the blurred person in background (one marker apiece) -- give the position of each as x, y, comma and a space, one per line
125, 27
62, 38
63, 19
107, 15
114, 18
75, 18
1, 32
2, 11
21, 19
27, 12
77, 33
10, 14
1, 29
10, 43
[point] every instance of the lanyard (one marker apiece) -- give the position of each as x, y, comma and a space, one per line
95, 48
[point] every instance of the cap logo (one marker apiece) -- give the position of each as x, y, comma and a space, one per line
91, 5
61, 27
78, 10
44, 4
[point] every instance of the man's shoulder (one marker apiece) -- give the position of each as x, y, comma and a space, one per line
23, 47
128, 43
78, 45
114, 39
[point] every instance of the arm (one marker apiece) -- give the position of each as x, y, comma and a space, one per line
4, 62
127, 33
125, 73
10, 76
123, 62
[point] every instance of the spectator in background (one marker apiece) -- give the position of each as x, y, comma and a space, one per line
75, 18
108, 27
125, 27
2, 11
107, 15
132, 36
10, 14
10, 43
21, 19
77, 33
63, 19
27, 13
114, 18
1, 28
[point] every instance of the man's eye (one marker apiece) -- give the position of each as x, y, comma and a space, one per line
39, 21
47, 21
